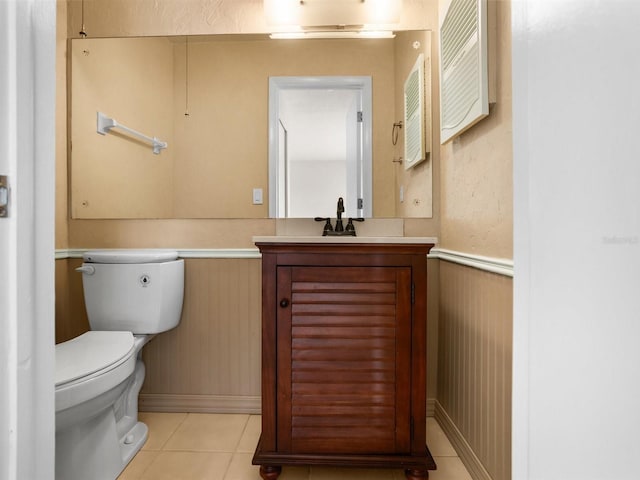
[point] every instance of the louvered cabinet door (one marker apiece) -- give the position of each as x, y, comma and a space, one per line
344, 359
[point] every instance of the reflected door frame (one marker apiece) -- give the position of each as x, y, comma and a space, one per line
277, 172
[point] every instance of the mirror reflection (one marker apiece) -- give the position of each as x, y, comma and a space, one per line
323, 147
207, 97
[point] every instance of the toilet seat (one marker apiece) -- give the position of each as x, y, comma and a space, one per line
91, 364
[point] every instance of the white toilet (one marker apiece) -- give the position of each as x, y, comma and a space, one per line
130, 295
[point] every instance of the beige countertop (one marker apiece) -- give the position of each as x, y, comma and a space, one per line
343, 240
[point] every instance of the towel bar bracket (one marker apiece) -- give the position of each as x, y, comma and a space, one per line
105, 124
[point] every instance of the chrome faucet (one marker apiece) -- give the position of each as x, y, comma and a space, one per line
339, 230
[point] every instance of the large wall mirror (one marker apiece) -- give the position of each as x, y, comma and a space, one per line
207, 97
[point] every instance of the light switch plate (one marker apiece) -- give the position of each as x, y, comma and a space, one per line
257, 196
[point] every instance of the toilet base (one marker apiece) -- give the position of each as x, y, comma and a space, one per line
132, 442
96, 440
92, 450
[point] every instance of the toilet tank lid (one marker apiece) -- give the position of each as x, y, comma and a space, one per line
129, 256
89, 353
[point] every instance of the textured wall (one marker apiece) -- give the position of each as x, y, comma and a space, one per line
476, 318
62, 233
124, 18
476, 168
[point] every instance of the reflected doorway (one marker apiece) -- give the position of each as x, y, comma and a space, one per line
319, 146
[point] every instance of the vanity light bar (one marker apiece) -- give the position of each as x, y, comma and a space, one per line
333, 34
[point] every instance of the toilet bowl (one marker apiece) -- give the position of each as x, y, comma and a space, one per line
131, 296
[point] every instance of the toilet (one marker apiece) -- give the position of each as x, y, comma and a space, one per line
130, 295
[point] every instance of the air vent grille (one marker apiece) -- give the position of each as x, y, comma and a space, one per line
463, 67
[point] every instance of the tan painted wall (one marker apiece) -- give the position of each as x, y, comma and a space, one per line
476, 307
126, 18
71, 316
61, 226
476, 168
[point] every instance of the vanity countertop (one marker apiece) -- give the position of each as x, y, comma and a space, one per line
343, 240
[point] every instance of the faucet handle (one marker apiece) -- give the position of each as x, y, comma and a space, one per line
351, 227
327, 226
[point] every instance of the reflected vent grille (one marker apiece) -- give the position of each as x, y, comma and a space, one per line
414, 150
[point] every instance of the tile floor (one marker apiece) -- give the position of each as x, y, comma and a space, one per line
195, 446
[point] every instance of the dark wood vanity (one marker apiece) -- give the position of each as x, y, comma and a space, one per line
343, 355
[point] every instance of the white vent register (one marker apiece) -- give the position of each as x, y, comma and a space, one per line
464, 92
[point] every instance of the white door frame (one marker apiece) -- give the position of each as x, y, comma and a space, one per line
276, 85
27, 156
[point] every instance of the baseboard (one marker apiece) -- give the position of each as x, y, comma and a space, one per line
462, 447
163, 402
157, 402
431, 407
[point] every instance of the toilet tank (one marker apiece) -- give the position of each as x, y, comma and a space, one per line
140, 291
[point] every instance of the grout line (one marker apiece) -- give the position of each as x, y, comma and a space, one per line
244, 429
226, 470
173, 433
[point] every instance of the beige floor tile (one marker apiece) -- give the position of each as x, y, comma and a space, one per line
439, 444
188, 466
449, 468
241, 468
202, 432
138, 465
251, 435
329, 473
161, 427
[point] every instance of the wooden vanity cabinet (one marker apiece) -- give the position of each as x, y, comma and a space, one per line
344, 356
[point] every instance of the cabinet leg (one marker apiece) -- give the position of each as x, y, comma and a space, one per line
268, 472
416, 474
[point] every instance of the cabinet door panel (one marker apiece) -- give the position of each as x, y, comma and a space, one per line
345, 339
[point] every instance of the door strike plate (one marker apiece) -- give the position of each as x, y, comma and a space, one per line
4, 196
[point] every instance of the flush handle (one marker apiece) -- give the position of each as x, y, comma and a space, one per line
284, 303
86, 269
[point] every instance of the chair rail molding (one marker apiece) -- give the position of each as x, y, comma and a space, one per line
501, 266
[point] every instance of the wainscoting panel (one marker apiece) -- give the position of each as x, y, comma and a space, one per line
474, 363
215, 351
71, 316
211, 362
